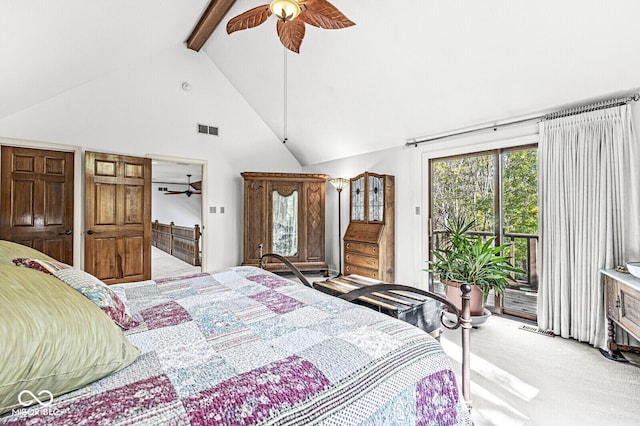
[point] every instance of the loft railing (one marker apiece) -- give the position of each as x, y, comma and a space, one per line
179, 241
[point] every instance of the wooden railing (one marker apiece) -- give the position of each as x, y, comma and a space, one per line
528, 262
178, 241
523, 254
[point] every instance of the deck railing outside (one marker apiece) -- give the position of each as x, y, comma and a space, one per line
522, 251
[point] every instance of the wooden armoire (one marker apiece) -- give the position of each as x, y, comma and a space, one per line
284, 214
369, 242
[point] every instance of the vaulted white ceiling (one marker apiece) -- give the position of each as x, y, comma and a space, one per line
406, 69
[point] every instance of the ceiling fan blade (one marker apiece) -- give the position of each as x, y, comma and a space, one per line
196, 185
174, 192
291, 34
249, 19
322, 14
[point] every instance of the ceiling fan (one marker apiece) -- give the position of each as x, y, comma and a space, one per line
197, 186
292, 15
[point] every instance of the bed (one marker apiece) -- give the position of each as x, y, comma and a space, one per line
234, 347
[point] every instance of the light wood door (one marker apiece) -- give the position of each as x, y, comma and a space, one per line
117, 217
37, 200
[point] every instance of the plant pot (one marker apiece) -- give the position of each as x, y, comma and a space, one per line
454, 296
476, 321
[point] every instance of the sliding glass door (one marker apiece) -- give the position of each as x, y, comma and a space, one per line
498, 191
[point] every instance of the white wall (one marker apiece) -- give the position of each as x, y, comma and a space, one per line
142, 110
409, 166
176, 208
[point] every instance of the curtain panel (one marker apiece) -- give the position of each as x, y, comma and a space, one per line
589, 195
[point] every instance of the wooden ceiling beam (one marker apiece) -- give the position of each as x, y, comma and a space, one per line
209, 20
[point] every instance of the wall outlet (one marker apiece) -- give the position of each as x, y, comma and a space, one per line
212, 209
221, 210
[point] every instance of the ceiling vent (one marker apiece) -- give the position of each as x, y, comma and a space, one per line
207, 130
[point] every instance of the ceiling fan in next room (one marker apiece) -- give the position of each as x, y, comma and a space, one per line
292, 15
197, 186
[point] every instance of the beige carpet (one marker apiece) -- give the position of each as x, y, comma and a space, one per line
164, 265
524, 378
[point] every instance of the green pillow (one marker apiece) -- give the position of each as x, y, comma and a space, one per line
53, 338
10, 250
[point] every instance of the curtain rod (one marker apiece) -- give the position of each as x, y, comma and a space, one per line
608, 103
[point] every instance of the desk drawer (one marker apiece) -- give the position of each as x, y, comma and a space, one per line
358, 270
360, 260
630, 310
362, 248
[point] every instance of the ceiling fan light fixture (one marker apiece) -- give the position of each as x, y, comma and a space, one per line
285, 10
292, 18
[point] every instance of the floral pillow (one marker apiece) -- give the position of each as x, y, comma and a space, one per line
91, 287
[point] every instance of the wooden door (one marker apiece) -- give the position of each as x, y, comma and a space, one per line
36, 205
255, 220
117, 217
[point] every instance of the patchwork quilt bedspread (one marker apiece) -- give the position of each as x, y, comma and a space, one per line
244, 346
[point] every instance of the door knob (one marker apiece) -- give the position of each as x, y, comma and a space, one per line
67, 232
90, 232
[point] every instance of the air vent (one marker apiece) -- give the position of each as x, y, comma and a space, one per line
207, 130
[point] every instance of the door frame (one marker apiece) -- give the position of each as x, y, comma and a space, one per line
204, 213
78, 188
442, 150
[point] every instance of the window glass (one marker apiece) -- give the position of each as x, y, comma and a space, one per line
284, 236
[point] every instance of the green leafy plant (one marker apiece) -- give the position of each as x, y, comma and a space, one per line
468, 259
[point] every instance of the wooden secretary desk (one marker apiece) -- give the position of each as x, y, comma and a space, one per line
284, 213
369, 245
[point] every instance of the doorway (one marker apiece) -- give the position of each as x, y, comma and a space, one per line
177, 217
497, 191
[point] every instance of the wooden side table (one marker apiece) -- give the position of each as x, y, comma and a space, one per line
418, 310
622, 301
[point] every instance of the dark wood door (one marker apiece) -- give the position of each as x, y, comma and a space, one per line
117, 217
36, 205
255, 217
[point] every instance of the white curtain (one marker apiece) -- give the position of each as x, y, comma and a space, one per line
589, 192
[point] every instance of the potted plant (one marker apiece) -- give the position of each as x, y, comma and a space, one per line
469, 259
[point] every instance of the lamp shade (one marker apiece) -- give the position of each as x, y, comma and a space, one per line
339, 183
287, 10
